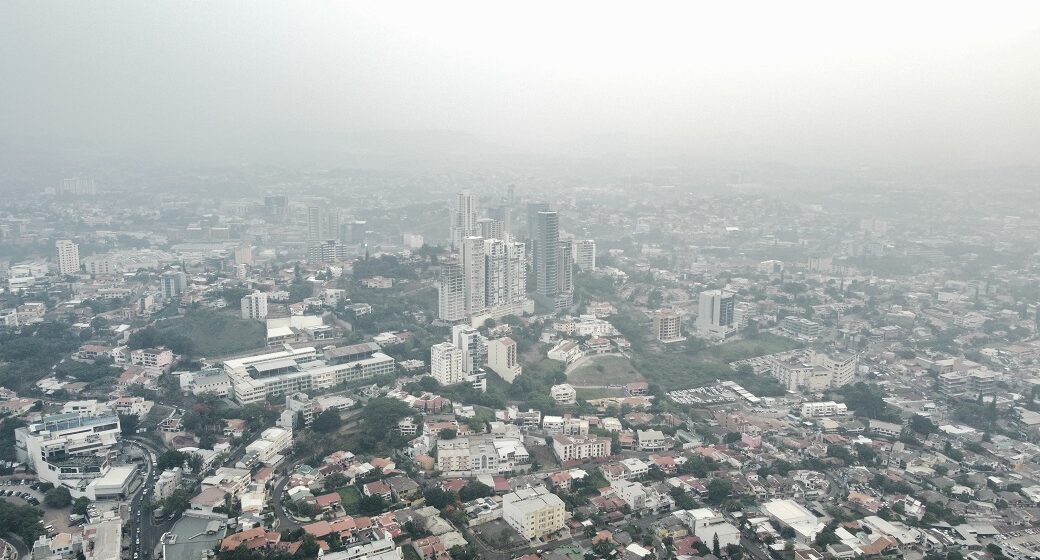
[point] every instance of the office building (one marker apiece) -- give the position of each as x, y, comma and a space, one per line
585, 255
74, 450
801, 328
253, 378
254, 306
667, 326
66, 257
546, 244
463, 219
534, 512
451, 293
446, 363
715, 317
789, 513
533, 208
353, 232
474, 347
503, 360
173, 284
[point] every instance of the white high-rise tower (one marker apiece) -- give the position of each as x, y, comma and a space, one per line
66, 257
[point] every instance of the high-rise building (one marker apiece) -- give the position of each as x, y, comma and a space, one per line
503, 214
533, 208
546, 241
667, 326
173, 284
585, 255
565, 272
489, 228
474, 272
503, 359
506, 273
463, 219
276, 207
715, 314
314, 223
446, 363
353, 232
66, 257
328, 251
474, 347
78, 187
254, 306
451, 293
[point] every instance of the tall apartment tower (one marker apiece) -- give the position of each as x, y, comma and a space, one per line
463, 219
451, 293
565, 273
446, 363
474, 272
254, 306
546, 241
585, 255
490, 228
504, 215
715, 314
66, 257
473, 345
173, 284
314, 223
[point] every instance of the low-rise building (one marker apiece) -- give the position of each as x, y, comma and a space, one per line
534, 512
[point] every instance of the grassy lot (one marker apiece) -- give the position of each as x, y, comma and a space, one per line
763, 344
602, 370
350, 496
589, 393
682, 368
217, 333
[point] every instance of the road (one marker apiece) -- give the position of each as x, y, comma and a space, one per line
142, 536
19, 546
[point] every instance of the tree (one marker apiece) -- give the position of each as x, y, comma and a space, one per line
309, 548
57, 498
335, 481
371, 505
922, 425
381, 416
473, 490
719, 490
715, 549
170, 459
128, 424
438, 498
327, 422
449, 433
80, 505
463, 553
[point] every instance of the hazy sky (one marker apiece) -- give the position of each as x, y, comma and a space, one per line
806, 82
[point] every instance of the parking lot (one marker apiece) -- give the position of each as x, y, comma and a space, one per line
15, 490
